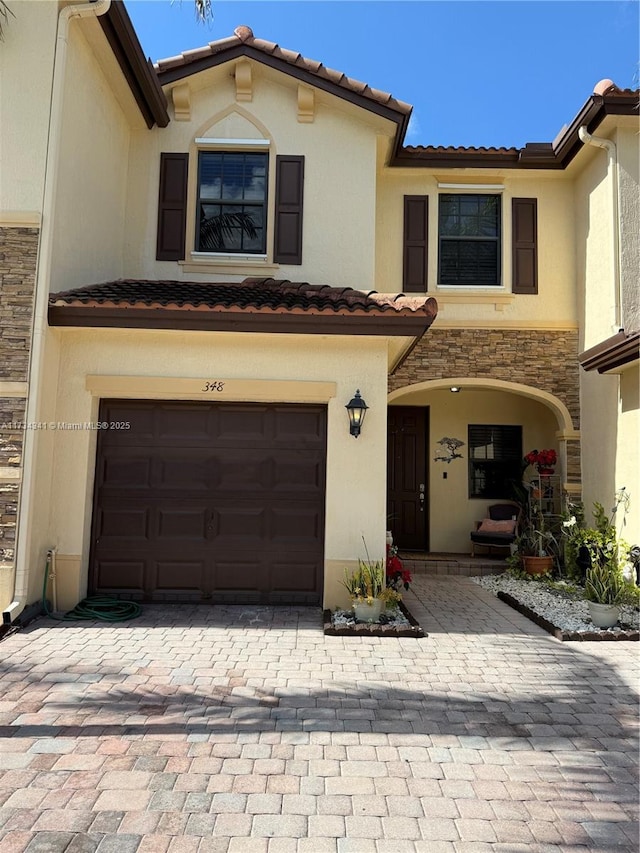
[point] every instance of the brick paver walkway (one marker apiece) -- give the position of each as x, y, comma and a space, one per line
245, 730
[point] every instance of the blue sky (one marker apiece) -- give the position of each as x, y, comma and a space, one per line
476, 73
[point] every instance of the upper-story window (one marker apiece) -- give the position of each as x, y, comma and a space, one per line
469, 240
232, 202
224, 215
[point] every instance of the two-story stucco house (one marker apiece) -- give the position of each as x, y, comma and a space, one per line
204, 260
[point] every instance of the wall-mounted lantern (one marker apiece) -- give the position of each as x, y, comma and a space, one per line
356, 409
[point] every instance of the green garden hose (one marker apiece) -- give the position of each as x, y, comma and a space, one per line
101, 607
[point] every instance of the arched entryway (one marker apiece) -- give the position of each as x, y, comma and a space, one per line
434, 498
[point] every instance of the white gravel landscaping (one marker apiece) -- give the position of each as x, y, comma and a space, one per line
563, 608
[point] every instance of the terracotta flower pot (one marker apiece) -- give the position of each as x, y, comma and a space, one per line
537, 565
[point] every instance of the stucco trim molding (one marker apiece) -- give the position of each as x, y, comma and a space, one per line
565, 424
207, 387
13, 389
20, 218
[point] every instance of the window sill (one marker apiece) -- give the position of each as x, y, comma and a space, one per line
453, 295
234, 264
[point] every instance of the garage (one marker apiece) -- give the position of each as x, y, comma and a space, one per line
214, 502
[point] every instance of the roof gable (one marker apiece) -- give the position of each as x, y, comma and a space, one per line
244, 44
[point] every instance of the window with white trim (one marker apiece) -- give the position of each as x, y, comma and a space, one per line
469, 239
231, 215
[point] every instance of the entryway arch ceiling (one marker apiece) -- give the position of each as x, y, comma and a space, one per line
560, 411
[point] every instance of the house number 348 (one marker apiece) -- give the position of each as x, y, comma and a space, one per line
215, 385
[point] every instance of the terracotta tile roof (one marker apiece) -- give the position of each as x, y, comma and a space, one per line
253, 294
457, 149
243, 36
256, 305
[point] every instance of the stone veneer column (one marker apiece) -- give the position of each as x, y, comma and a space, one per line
18, 257
543, 359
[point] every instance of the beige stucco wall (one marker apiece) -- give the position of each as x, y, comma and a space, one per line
339, 147
29, 42
555, 303
593, 218
451, 512
628, 456
629, 186
609, 403
90, 202
356, 469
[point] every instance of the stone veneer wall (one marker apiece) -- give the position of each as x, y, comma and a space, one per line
546, 360
18, 258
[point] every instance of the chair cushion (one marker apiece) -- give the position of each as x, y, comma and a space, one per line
491, 526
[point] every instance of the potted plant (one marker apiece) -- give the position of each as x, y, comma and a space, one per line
366, 586
397, 576
599, 557
543, 460
605, 590
537, 547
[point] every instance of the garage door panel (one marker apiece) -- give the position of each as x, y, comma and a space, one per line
125, 575
179, 575
301, 427
238, 470
187, 523
242, 425
126, 472
301, 473
299, 575
205, 501
296, 525
139, 418
230, 525
175, 425
240, 574
131, 523
185, 470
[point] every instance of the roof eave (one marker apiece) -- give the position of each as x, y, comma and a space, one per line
385, 324
532, 155
616, 352
138, 71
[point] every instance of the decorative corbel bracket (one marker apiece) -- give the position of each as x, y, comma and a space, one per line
244, 83
306, 104
181, 97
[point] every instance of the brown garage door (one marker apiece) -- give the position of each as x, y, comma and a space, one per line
217, 502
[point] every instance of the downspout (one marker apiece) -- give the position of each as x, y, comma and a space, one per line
610, 146
92, 8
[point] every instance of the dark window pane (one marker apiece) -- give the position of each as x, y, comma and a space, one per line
469, 232
233, 178
495, 454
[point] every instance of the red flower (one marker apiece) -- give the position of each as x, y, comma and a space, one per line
541, 458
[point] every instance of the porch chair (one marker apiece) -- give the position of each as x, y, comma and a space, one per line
499, 529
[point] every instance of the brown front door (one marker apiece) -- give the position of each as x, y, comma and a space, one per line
213, 502
407, 498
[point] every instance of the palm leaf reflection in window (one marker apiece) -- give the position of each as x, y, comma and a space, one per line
232, 202
214, 229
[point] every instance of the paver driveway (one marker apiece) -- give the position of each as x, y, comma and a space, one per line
248, 731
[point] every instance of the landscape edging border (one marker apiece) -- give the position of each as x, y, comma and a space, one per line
374, 629
559, 633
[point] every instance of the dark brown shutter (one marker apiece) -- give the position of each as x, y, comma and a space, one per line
416, 235
525, 245
172, 207
289, 197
